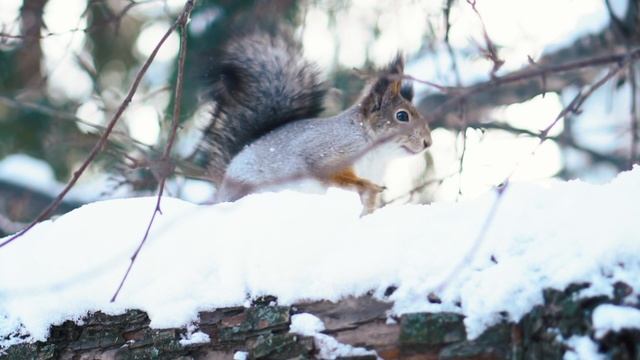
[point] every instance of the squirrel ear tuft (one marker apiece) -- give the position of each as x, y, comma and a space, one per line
395, 69
406, 91
373, 100
388, 83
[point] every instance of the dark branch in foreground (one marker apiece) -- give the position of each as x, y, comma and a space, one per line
166, 165
459, 95
538, 78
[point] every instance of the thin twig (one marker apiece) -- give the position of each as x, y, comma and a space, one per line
452, 55
542, 71
530, 73
633, 155
441, 88
181, 24
477, 242
464, 149
417, 189
619, 24
491, 51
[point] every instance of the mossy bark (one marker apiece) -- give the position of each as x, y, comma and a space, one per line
262, 331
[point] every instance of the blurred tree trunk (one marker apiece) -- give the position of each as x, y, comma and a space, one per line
29, 55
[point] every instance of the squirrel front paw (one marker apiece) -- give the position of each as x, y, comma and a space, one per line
371, 197
370, 193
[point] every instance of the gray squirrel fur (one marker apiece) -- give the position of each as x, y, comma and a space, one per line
265, 130
261, 83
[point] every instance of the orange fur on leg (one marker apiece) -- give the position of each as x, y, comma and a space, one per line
369, 192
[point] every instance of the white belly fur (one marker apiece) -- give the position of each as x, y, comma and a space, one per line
372, 166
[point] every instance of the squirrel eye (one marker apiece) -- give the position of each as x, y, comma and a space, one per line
402, 116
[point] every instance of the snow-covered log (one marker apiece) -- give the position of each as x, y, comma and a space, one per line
405, 282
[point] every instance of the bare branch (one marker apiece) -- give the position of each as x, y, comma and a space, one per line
464, 94
463, 131
490, 51
447, 28
180, 23
619, 24
545, 77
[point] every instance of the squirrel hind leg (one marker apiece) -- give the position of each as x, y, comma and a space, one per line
370, 193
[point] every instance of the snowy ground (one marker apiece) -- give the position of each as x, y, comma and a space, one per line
303, 247
37, 175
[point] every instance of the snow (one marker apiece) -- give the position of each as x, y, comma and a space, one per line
316, 246
19, 166
240, 355
195, 191
609, 317
194, 337
37, 175
306, 324
582, 348
328, 347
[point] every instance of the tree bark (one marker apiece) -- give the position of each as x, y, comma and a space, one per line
29, 55
262, 331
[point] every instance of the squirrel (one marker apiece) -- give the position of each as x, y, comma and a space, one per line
265, 129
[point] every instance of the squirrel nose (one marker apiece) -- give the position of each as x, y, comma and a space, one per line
426, 143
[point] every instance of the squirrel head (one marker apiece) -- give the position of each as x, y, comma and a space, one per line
388, 110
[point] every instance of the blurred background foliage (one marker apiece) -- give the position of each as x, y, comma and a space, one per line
65, 66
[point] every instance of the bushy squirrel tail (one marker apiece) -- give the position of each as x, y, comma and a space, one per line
261, 82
